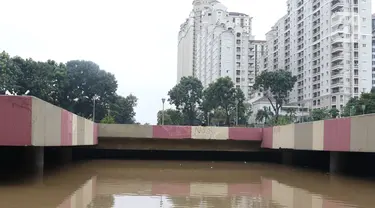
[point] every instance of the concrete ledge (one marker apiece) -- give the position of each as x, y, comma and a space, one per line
210, 133
171, 132
125, 131
246, 134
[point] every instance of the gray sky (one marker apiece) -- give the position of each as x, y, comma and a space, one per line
135, 40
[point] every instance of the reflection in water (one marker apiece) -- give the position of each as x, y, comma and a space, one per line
117, 184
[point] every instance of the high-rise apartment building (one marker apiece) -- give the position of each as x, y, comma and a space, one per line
215, 43
373, 50
327, 45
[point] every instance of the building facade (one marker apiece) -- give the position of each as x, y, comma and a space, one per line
327, 45
214, 43
373, 50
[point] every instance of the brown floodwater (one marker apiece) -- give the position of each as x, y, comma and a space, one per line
143, 184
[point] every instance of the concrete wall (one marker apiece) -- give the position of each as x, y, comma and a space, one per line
29, 121
179, 132
353, 134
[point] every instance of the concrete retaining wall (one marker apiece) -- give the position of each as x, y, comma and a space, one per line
29, 121
354, 134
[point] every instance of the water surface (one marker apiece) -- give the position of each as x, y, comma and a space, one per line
119, 184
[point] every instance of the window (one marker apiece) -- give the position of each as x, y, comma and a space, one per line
238, 72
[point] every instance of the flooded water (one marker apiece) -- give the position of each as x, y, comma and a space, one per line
120, 184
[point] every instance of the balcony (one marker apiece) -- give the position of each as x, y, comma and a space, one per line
337, 67
337, 5
337, 84
337, 90
337, 57
337, 48
337, 75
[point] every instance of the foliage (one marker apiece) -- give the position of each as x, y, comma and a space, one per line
71, 86
354, 105
334, 112
186, 96
275, 85
123, 109
108, 119
171, 117
222, 94
9, 74
264, 115
320, 114
282, 120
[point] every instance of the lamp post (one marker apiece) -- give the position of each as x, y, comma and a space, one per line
236, 112
162, 118
94, 105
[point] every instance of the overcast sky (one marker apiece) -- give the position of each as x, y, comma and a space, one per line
135, 40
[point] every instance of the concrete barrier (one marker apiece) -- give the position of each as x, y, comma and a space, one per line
318, 135
15, 120
125, 131
267, 138
171, 132
283, 137
362, 133
245, 134
215, 133
303, 134
29, 121
337, 134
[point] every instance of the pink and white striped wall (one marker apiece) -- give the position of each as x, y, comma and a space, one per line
353, 134
29, 121
179, 132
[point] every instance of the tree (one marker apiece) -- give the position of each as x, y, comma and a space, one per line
275, 86
334, 113
264, 115
186, 96
320, 114
223, 94
108, 119
122, 109
171, 117
9, 74
85, 81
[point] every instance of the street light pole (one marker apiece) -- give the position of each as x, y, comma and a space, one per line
93, 108
162, 119
236, 112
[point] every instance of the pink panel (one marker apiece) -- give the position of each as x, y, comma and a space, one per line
95, 133
267, 137
266, 188
337, 134
15, 120
244, 189
66, 128
175, 189
247, 134
171, 132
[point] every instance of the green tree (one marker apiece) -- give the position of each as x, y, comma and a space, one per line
171, 117
275, 86
85, 81
334, 112
264, 115
122, 109
9, 74
320, 114
223, 94
186, 96
108, 119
